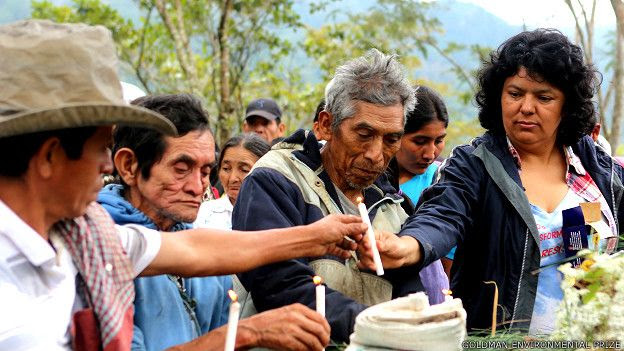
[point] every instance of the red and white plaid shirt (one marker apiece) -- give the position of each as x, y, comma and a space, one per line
578, 180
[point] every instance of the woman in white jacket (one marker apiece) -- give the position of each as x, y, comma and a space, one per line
238, 155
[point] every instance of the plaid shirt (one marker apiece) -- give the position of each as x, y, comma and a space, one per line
578, 180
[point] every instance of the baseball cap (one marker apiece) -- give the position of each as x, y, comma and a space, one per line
266, 108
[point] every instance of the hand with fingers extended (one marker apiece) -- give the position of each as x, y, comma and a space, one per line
395, 251
336, 235
293, 327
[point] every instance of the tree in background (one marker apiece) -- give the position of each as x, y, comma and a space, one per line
229, 52
215, 49
405, 28
618, 75
609, 97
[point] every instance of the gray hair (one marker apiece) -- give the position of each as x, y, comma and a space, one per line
375, 78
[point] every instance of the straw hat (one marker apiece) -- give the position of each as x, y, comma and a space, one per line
58, 76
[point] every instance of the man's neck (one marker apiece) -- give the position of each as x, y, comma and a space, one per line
133, 196
26, 203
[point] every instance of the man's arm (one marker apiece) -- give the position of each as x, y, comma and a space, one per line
442, 218
294, 327
202, 252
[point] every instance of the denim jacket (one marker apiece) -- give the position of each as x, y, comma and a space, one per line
168, 311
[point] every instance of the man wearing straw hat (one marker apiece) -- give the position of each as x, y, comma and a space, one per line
66, 270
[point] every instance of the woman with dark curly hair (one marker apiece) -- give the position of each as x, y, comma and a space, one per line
500, 198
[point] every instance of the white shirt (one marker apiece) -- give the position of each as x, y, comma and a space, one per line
38, 284
215, 214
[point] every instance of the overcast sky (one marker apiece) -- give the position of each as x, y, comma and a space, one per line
544, 13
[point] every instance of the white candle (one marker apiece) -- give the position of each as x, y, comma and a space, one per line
320, 295
371, 236
447, 295
230, 338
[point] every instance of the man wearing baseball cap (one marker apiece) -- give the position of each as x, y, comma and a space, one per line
264, 118
66, 270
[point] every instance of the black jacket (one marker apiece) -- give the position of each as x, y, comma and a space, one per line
269, 199
480, 205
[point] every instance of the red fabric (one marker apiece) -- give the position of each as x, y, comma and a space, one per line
86, 332
123, 339
215, 192
106, 270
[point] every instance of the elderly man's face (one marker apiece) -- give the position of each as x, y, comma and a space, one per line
177, 182
362, 146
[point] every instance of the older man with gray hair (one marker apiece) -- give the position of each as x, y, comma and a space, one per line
298, 182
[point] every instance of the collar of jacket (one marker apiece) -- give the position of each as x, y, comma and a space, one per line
599, 165
112, 199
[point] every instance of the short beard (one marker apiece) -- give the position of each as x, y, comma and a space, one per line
355, 186
176, 218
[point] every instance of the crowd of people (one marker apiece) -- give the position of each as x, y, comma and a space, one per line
146, 262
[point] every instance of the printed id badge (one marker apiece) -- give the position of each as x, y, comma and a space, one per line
574, 233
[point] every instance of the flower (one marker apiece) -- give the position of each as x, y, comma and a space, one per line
593, 299
587, 263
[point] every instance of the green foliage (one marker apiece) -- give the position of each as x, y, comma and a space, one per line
174, 46
461, 132
396, 26
182, 54
87, 11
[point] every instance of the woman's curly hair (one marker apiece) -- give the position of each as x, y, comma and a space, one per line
549, 56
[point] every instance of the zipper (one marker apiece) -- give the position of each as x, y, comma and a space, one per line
189, 303
526, 241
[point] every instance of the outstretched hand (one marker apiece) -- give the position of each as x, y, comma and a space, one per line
395, 251
337, 234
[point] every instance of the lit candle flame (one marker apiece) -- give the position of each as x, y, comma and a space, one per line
447, 292
233, 295
359, 199
317, 280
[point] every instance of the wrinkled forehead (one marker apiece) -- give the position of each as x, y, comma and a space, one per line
384, 119
194, 147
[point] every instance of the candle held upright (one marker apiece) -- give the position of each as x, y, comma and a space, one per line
371, 236
230, 338
320, 295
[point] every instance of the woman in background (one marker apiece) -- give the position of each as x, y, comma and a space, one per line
413, 169
238, 155
421, 145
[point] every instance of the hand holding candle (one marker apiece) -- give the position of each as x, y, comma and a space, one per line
230, 339
371, 236
320, 295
